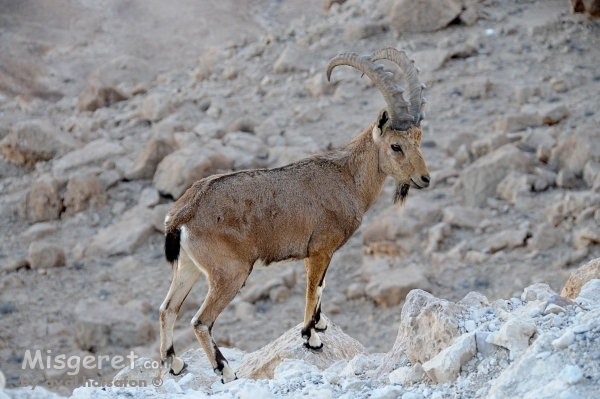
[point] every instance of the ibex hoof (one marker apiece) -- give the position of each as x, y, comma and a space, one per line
183, 368
314, 348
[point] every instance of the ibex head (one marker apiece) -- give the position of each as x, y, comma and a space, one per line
397, 132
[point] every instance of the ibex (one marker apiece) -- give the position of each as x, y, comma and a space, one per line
226, 225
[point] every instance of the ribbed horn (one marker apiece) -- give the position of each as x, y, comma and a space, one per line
400, 118
415, 86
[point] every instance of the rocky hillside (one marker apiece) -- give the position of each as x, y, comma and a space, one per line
511, 139
541, 345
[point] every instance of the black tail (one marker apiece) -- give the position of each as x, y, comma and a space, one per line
172, 239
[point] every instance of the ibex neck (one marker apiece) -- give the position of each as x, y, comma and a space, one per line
364, 166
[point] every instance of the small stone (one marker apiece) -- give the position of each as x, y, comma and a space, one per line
564, 340
470, 325
582, 328
293, 58
571, 374
44, 255
149, 197
445, 366
407, 375
514, 335
38, 231
552, 308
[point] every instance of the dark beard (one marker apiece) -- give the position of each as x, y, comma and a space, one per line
401, 192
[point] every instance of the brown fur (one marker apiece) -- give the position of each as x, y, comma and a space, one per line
305, 210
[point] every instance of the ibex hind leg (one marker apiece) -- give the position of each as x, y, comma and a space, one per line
186, 273
321, 324
224, 284
316, 267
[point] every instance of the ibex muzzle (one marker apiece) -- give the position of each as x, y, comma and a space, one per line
224, 225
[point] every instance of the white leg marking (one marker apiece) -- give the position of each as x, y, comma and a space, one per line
321, 324
228, 374
177, 365
314, 341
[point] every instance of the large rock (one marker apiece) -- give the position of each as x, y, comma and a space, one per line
34, 141
115, 81
572, 155
579, 277
180, 169
293, 58
101, 324
478, 181
336, 346
423, 16
93, 152
124, 236
159, 146
390, 281
461, 216
428, 325
514, 335
84, 191
42, 202
44, 255
445, 366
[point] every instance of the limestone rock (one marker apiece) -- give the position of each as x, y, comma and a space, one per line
389, 281
124, 236
361, 28
84, 191
510, 239
591, 291
479, 180
100, 324
42, 202
180, 169
477, 88
336, 346
39, 230
114, 81
428, 325
445, 366
34, 141
544, 237
293, 58
474, 300
518, 122
579, 277
159, 146
461, 216
537, 292
139, 371
431, 60
159, 213
407, 375
92, 153
572, 155
585, 236
423, 16
44, 255
157, 106
317, 85
514, 335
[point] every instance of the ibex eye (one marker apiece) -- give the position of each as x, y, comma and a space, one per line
396, 147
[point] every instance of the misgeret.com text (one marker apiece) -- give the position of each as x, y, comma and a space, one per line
73, 364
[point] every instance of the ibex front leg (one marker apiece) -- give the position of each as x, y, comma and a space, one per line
316, 266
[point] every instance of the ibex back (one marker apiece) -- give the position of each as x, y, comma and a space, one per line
226, 225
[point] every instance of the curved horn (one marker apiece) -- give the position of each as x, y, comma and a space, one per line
415, 86
384, 81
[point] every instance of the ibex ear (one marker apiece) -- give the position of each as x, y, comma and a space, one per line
382, 120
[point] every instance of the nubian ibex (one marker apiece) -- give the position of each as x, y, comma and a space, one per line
226, 225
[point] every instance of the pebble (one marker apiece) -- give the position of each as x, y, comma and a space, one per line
553, 308
571, 374
564, 340
582, 328
470, 325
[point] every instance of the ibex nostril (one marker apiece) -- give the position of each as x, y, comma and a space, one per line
425, 179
